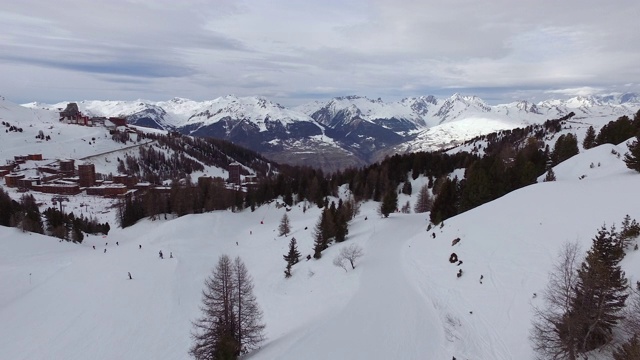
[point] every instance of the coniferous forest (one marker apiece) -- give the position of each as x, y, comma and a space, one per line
511, 159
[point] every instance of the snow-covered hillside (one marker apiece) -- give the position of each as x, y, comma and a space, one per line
83, 144
403, 300
353, 130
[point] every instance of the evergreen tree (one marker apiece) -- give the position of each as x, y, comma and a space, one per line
446, 203
341, 225
630, 231
424, 201
32, 220
324, 232
320, 242
630, 350
618, 131
76, 231
590, 138
477, 187
566, 146
551, 176
406, 188
285, 226
389, 203
632, 158
7, 208
600, 292
292, 257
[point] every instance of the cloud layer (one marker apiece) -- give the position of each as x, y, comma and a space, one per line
294, 51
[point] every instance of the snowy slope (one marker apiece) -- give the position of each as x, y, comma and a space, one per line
353, 130
257, 110
342, 111
67, 141
404, 301
81, 143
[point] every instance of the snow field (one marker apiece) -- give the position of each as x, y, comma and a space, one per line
403, 300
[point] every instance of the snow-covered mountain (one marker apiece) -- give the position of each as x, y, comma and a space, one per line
94, 144
352, 130
402, 301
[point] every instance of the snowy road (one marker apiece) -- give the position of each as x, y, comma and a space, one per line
386, 318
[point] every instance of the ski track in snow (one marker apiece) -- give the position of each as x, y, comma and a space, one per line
385, 317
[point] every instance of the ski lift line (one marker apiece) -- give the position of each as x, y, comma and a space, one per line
113, 151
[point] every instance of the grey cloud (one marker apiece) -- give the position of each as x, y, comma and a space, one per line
388, 48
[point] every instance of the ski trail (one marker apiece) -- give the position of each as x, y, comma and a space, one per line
385, 317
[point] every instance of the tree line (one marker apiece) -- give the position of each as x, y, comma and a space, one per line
585, 302
25, 214
511, 159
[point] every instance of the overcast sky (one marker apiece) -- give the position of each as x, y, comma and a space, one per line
293, 51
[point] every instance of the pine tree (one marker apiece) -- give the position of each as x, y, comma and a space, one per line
630, 350
7, 208
32, 220
601, 291
406, 188
389, 203
424, 201
630, 231
446, 203
590, 138
632, 158
324, 232
285, 226
566, 146
292, 257
551, 176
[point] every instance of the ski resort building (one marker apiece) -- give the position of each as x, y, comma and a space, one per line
67, 167
86, 175
126, 180
29, 182
11, 180
61, 189
234, 173
109, 190
72, 115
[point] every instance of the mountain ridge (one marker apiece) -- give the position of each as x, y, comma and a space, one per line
350, 130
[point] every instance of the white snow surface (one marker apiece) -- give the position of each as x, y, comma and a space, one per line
403, 300
181, 112
365, 108
425, 112
68, 141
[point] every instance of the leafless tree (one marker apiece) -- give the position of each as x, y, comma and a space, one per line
249, 326
213, 333
339, 262
554, 331
231, 322
349, 253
